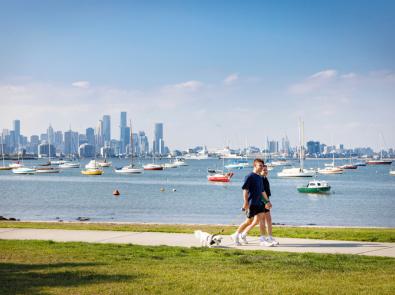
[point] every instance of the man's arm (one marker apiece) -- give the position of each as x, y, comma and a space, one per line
245, 196
266, 200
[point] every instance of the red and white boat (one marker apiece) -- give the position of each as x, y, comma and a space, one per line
379, 162
220, 177
153, 166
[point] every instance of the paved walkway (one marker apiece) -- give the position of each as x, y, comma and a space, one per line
189, 240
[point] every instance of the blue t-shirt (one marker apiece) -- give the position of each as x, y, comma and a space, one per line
254, 184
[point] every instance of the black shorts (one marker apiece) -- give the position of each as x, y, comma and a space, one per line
254, 210
265, 210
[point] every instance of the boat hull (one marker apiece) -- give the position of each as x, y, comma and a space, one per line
296, 172
92, 172
129, 170
23, 170
220, 177
47, 170
5, 168
315, 190
379, 162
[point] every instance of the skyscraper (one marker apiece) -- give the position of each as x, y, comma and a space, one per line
90, 136
17, 133
99, 135
158, 143
50, 135
70, 142
122, 133
107, 129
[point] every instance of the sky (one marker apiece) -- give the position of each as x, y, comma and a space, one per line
214, 72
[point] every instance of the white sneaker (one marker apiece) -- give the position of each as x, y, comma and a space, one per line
235, 238
273, 241
266, 244
244, 239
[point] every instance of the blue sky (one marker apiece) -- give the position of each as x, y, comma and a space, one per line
212, 71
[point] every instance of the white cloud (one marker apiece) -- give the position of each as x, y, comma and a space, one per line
232, 78
81, 84
314, 82
192, 85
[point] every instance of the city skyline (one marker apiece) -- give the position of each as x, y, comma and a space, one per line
215, 73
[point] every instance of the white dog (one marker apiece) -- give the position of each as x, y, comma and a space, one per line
206, 239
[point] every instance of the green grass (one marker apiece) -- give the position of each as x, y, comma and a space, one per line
343, 234
42, 267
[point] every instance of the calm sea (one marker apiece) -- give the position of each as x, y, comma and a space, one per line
362, 197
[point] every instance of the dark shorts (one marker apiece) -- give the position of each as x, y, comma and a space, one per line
254, 210
265, 210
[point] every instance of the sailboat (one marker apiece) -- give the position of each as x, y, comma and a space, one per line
350, 165
47, 168
131, 168
19, 167
219, 175
331, 169
380, 161
298, 172
16, 164
4, 167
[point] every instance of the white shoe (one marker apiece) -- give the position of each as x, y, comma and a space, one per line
244, 239
235, 238
273, 241
266, 244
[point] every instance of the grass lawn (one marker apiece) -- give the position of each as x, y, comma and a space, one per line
343, 234
42, 267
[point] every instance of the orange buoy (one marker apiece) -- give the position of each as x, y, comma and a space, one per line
116, 193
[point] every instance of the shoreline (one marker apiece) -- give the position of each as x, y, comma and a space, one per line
189, 224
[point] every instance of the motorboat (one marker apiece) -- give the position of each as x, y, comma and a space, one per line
104, 163
153, 166
296, 172
220, 177
349, 166
23, 170
131, 169
15, 165
331, 170
237, 165
57, 162
180, 162
93, 164
280, 163
170, 165
92, 171
47, 170
315, 186
67, 165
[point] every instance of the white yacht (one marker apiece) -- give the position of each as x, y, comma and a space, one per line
23, 170
331, 170
131, 168
67, 165
298, 172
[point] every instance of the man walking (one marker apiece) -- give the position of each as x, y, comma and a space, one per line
255, 201
267, 218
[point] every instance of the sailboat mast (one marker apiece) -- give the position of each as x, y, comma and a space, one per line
301, 141
2, 149
131, 143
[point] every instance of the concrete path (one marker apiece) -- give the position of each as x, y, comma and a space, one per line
189, 240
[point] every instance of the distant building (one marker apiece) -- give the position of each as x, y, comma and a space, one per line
90, 136
44, 149
99, 135
122, 138
106, 129
86, 150
17, 133
273, 146
58, 140
313, 148
143, 143
50, 135
158, 143
71, 142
